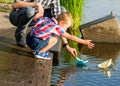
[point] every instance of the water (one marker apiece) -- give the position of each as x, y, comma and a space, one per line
68, 74
95, 9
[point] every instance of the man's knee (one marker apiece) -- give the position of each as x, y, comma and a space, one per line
12, 18
63, 9
30, 11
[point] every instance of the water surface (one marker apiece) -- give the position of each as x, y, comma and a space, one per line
68, 74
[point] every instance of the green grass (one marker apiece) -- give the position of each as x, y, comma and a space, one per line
6, 1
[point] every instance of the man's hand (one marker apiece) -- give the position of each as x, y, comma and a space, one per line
40, 9
71, 50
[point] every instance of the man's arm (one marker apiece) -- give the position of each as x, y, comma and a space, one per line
21, 4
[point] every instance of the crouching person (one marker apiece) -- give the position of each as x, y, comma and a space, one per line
42, 37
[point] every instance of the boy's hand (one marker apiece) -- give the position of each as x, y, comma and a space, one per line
89, 44
71, 50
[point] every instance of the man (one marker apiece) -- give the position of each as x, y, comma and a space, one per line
24, 10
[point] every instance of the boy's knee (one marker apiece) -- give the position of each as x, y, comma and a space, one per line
54, 39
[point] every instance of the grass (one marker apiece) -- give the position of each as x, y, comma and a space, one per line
6, 1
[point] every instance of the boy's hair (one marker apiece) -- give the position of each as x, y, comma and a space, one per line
65, 16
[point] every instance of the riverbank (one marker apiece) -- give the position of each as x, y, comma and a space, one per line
18, 67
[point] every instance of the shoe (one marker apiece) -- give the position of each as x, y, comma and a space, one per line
44, 55
22, 44
20, 40
47, 56
39, 55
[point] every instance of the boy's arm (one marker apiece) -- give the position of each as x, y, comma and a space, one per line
82, 41
68, 48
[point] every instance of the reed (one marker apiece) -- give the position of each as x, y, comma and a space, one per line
76, 9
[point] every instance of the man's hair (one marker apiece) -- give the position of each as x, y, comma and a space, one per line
65, 16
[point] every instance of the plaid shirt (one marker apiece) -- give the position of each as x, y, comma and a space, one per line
53, 4
46, 27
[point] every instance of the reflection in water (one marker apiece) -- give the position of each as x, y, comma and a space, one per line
106, 72
60, 74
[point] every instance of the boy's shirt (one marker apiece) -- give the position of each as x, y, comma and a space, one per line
46, 27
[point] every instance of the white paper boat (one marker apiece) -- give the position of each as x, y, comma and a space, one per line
105, 64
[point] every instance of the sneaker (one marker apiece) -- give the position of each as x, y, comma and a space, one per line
44, 55
47, 56
38, 54
22, 44
20, 40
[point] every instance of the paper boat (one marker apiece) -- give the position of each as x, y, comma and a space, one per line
105, 64
80, 61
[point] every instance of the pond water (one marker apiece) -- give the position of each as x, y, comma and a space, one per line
69, 74
95, 9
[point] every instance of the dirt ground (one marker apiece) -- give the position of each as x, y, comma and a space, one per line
18, 67
4, 21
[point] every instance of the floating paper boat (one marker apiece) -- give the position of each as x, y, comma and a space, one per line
105, 64
80, 62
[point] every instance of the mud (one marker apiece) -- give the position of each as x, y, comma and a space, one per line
18, 67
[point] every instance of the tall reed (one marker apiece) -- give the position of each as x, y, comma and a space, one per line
76, 9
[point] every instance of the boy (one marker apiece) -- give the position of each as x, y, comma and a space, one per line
43, 35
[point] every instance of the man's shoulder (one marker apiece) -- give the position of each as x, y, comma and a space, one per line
25, 0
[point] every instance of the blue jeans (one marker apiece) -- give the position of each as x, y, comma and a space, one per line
21, 17
36, 43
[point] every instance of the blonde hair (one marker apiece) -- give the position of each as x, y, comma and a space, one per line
65, 16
